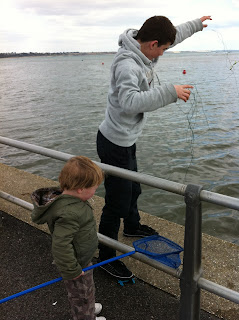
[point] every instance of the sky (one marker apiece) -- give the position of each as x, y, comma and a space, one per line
95, 26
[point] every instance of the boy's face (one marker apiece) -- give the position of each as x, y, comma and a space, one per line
159, 51
86, 194
151, 49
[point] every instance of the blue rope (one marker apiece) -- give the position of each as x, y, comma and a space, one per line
16, 295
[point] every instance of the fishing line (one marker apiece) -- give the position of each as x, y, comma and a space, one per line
220, 37
190, 116
195, 104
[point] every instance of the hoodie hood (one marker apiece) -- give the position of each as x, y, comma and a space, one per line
48, 201
128, 43
42, 200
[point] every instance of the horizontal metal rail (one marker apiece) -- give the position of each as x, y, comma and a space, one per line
219, 290
166, 185
159, 183
202, 282
105, 240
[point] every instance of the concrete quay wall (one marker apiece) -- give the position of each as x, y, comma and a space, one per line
220, 259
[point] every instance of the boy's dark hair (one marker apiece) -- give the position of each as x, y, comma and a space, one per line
157, 28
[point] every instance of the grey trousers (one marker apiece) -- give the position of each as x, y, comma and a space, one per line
81, 295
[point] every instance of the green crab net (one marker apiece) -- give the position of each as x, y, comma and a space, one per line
161, 249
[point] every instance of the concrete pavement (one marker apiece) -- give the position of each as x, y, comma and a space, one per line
26, 262
220, 259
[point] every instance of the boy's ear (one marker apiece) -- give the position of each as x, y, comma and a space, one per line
153, 44
79, 191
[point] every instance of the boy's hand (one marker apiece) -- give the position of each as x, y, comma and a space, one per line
205, 18
79, 276
183, 92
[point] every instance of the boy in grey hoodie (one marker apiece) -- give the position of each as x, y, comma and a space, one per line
131, 95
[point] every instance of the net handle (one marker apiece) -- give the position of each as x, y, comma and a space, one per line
93, 266
85, 269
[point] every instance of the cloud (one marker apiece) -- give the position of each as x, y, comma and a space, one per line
97, 24
110, 13
79, 7
235, 3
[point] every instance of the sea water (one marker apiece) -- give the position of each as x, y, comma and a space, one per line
58, 102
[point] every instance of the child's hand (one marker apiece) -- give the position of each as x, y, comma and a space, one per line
79, 276
183, 92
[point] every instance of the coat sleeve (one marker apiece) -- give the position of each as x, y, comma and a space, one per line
186, 30
63, 253
132, 98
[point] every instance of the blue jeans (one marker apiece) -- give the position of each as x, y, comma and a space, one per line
120, 194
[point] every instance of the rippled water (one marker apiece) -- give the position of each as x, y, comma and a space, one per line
59, 102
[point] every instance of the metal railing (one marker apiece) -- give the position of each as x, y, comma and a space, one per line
191, 280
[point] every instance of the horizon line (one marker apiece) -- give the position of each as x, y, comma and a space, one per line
13, 53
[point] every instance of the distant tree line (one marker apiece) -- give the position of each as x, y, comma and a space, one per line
30, 54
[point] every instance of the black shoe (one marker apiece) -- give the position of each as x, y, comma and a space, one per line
142, 231
117, 269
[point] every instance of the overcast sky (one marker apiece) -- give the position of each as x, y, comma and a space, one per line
87, 25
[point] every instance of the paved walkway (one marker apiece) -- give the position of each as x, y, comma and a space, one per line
26, 262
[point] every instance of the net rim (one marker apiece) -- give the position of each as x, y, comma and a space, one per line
177, 247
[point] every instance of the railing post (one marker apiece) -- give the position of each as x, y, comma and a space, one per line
190, 292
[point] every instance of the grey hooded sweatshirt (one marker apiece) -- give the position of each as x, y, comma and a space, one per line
132, 92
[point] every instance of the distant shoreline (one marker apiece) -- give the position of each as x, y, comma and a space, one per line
39, 54
53, 54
